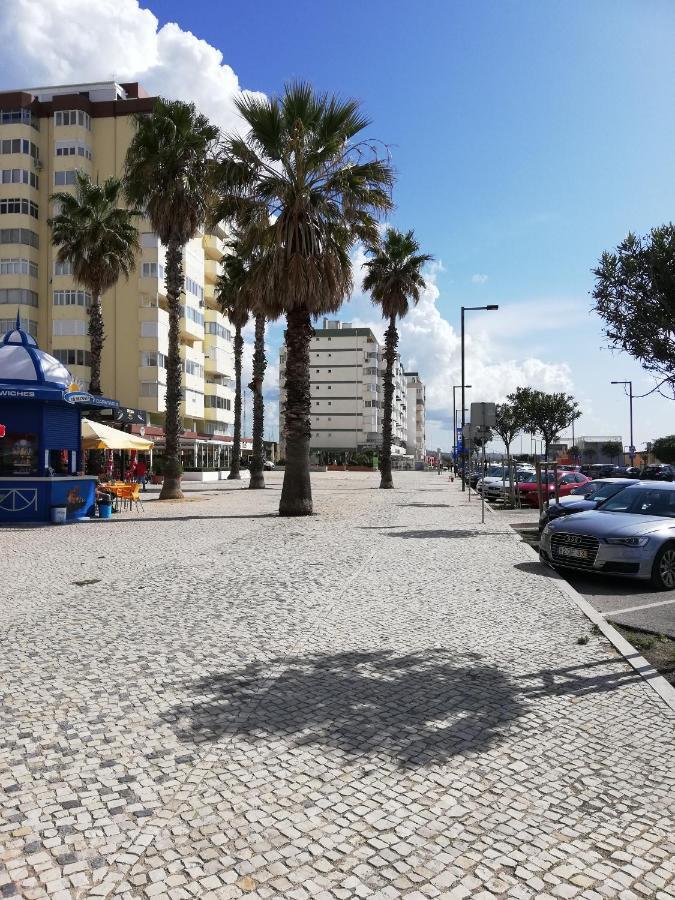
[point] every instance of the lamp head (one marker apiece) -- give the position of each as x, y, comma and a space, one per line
492, 306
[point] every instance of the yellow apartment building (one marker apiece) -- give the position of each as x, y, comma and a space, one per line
46, 135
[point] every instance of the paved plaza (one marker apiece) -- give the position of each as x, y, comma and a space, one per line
384, 700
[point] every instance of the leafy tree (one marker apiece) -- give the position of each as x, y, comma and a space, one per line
303, 187
99, 239
664, 449
635, 295
574, 452
234, 302
546, 414
394, 280
165, 175
612, 449
590, 454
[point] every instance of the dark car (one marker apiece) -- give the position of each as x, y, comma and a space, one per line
585, 496
599, 470
658, 473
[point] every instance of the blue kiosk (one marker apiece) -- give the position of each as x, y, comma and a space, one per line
40, 443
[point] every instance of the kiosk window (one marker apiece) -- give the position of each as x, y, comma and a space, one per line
18, 454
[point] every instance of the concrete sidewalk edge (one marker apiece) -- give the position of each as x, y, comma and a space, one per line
645, 669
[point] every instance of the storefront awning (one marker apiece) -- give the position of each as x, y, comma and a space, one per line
96, 436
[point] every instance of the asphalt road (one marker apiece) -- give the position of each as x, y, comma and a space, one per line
620, 600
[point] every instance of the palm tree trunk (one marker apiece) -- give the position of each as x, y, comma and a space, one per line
296, 493
256, 386
236, 442
173, 426
390, 345
96, 338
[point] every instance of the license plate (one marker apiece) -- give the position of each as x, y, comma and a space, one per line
575, 552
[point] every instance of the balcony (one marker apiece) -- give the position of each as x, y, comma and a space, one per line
214, 247
212, 270
192, 324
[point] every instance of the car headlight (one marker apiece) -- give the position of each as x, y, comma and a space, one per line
628, 541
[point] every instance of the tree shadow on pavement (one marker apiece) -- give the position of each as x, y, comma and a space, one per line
417, 709
578, 680
448, 533
426, 505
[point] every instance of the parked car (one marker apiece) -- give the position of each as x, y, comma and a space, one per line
583, 497
268, 465
599, 470
567, 481
658, 473
631, 533
499, 488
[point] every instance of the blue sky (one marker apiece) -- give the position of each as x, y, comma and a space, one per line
527, 138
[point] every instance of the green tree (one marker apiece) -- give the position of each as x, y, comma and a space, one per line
234, 302
508, 425
303, 187
589, 454
635, 296
99, 239
612, 449
546, 414
664, 449
257, 479
166, 175
574, 452
394, 280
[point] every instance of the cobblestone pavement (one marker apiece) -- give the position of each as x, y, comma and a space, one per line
384, 700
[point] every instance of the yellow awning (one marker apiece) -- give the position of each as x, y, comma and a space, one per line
96, 436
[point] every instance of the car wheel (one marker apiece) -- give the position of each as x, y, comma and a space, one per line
663, 570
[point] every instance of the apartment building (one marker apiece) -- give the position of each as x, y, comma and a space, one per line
347, 384
46, 135
416, 441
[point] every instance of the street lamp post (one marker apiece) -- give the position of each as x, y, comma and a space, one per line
467, 309
454, 420
631, 449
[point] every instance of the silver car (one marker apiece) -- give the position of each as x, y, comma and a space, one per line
631, 533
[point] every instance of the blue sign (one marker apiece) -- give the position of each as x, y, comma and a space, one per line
77, 396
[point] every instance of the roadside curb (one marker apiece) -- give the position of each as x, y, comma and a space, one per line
644, 669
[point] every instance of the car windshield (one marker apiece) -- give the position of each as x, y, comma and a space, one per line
605, 491
642, 502
495, 472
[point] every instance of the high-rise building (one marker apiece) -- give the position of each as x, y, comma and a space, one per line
347, 387
46, 135
416, 416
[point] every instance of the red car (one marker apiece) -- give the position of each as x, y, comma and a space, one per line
567, 481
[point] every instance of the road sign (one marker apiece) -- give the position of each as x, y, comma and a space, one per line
484, 414
631, 450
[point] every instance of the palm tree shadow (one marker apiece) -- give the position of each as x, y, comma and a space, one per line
417, 709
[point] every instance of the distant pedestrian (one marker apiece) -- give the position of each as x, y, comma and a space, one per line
141, 472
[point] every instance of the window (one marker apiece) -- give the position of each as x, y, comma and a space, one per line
72, 117
28, 326
69, 328
153, 358
194, 315
218, 330
65, 177
18, 176
72, 298
18, 267
73, 148
18, 205
73, 357
149, 240
63, 268
23, 116
18, 295
19, 236
19, 454
19, 145
195, 289
149, 389
152, 270
149, 329
217, 402
193, 368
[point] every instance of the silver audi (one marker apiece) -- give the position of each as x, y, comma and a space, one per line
631, 533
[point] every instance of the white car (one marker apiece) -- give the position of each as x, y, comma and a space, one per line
268, 465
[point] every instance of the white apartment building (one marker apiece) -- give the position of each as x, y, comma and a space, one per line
416, 416
347, 386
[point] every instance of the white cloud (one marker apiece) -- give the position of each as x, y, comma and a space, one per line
71, 41
479, 279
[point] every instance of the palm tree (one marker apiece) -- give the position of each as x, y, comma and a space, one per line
257, 479
303, 188
165, 175
234, 303
100, 241
394, 278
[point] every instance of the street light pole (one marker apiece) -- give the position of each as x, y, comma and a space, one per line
631, 449
467, 309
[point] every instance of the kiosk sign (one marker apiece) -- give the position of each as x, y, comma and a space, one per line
3, 431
